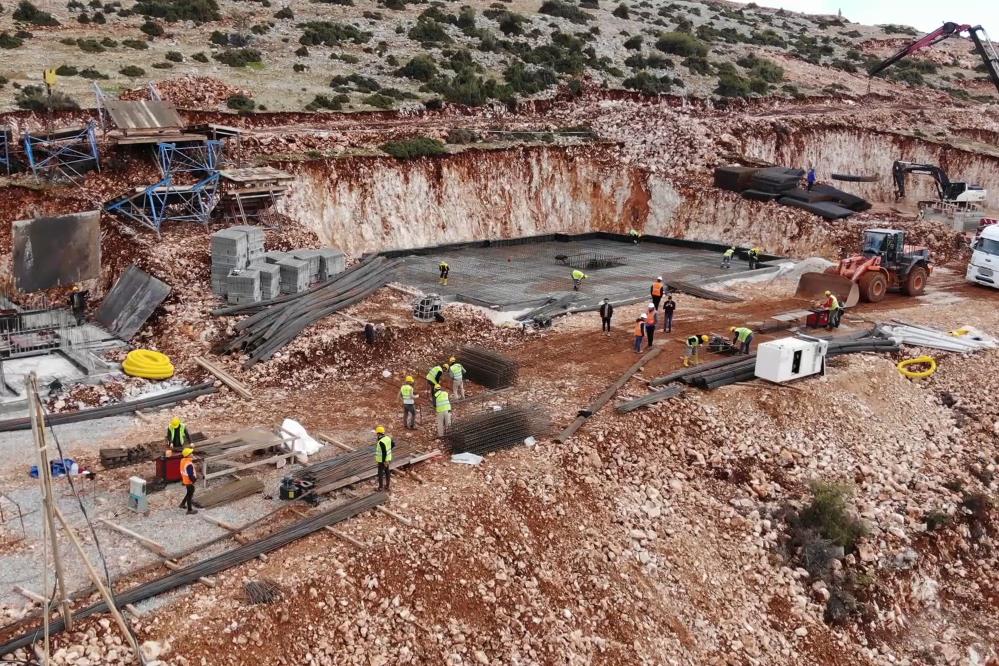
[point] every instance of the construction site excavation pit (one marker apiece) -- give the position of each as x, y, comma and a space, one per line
518, 273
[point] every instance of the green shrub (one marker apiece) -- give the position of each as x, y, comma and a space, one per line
174, 56
284, 13
324, 102
137, 44
633, 43
200, 57
89, 46
697, 65
829, 515
132, 71
346, 3
460, 136
238, 57
894, 29
302, 51
420, 68
83, 19
361, 83
428, 32
529, 81
621, 11
331, 34
408, 149
67, 70
767, 38
35, 98
240, 103
28, 13
681, 44
109, 43
91, 73
511, 24
469, 89
9, 41
466, 20
152, 28
762, 68
564, 10
199, 11
346, 57
647, 84
379, 101
162, 65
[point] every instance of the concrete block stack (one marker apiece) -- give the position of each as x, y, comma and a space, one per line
229, 252
243, 286
274, 256
311, 257
331, 262
254, 241
294, 275
270, 279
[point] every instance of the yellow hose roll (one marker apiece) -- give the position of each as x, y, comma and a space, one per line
903, 367
147, 364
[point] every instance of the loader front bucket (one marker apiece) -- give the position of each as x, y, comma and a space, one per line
813, 286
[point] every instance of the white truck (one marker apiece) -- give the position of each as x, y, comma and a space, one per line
984, 265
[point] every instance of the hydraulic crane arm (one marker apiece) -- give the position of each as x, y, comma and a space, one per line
948, 29
899, 171
987, 51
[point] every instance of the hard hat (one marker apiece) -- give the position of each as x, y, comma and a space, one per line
731, 329
452, 359
705, 338
186, 452
659, 279
652, 306
409, 379
174, 422
828, 293
380, 430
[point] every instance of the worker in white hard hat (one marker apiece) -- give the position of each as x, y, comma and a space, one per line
651, 319
657, 290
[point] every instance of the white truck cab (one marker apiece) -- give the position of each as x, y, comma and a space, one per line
984, 265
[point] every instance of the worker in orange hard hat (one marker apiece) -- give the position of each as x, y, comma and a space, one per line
188, 476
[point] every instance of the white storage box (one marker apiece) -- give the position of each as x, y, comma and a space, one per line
787, 359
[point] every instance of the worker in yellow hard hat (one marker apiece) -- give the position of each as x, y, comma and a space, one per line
188, 476
408, 404
694, 342
383, 456
177, 437
835, 310
457, 372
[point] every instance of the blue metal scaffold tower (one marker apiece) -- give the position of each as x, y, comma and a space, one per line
166, 202
200, 158
67, 152
6, 139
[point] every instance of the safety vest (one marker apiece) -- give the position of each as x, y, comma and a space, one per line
444, 265
639, 329
634, 232
434, 373
383, 449
407, 394
456, 370
442, 402
694, 341
729, 252
173, 433
650, 318
657, 288
578, 274
742, 333
755, 252
184, 462
833, 303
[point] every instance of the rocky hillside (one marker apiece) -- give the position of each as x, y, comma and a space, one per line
360, 54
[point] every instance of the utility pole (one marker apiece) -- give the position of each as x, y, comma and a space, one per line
52, 512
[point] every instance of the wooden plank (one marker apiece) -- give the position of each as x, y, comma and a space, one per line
281, 457
606, 396
146, 542
33, 596
392, 514
330, 440
232, 529
337, 533
224, 376
173, 566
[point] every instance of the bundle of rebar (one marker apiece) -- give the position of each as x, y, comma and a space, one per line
350, 467
160, 400
229, 492
651, 398
275, 323
263, 591
700, 292
213, 565
492, 430
488, 368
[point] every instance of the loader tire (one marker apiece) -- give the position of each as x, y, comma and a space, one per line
873, 287
915, 282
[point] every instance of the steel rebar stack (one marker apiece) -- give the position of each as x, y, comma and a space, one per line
275, 323
496, 429
488, 368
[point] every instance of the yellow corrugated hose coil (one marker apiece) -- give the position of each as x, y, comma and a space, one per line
147, 364
928, 361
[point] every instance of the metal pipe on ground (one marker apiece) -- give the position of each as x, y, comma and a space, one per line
213, 565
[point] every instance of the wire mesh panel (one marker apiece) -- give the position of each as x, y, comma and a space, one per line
488, 368
491, 430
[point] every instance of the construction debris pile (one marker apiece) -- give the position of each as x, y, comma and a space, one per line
277, 322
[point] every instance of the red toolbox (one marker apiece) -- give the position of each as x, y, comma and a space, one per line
168, 468
817, 319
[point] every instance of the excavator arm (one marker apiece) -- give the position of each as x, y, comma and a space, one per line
948, 29
899, 170
983, 45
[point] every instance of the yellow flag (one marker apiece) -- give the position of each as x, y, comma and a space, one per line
50, 77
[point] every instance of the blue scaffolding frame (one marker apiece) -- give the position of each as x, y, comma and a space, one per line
195, 158
69, 153
166, 202
6, 138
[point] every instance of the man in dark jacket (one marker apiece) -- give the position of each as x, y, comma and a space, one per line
668, 307
606, 312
